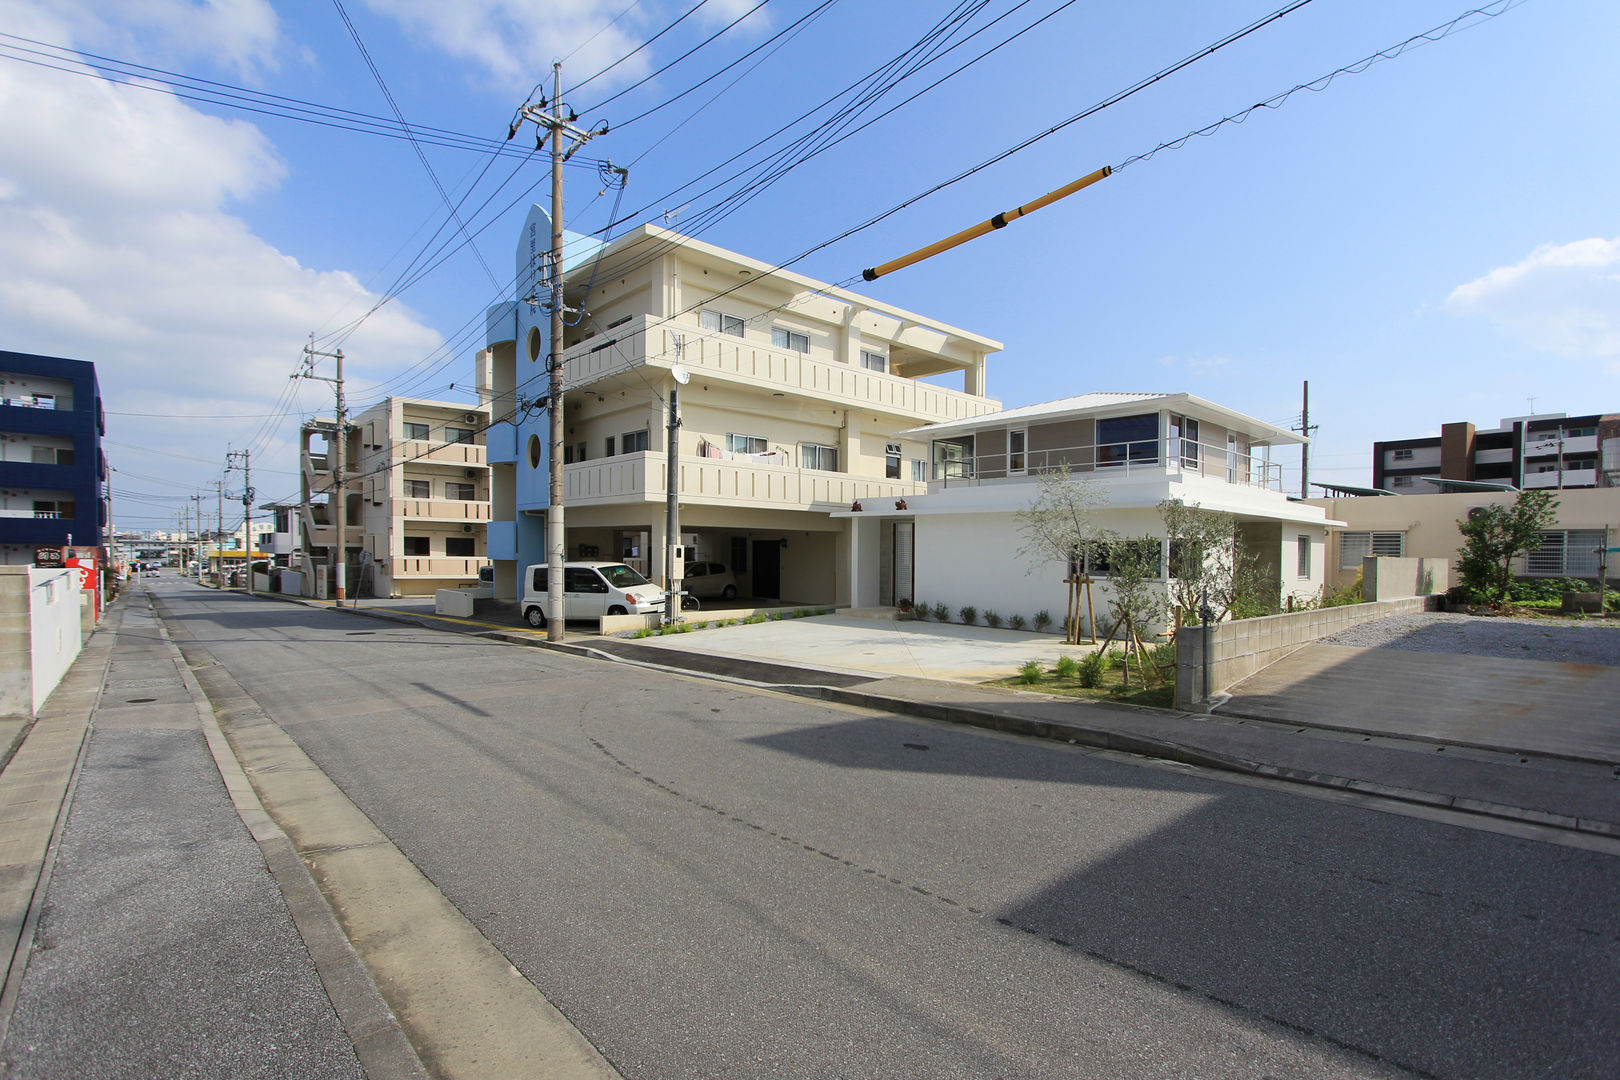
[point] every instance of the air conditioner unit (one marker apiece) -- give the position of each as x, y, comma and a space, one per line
1474, 512
466, 528
472, 418
472, 472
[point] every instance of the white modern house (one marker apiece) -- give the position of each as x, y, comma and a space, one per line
796, 396
959, 543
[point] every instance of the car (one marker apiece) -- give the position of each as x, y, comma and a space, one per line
710, 579
590, 590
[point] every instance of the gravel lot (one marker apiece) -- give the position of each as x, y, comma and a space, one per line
1590, 642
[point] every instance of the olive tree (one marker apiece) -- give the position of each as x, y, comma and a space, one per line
1060, 525
1206, 553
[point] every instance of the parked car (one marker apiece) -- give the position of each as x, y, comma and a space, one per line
710, 579
590, 590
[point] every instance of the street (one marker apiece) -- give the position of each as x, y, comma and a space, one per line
712, 881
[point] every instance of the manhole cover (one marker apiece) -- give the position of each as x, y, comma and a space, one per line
139, 700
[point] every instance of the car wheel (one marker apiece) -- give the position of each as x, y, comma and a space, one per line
616, 609
730, 592
535, 617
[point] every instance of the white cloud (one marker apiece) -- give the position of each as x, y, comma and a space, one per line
239, 35
515, 41
120, 249
1562, 298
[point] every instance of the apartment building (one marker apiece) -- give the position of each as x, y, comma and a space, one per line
52, 472
1545, 450
416, 494
960, 542
794, 398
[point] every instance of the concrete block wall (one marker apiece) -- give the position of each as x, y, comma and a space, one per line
39, 634
1386, 578
1242, 647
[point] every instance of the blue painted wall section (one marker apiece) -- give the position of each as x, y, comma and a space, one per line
85, 424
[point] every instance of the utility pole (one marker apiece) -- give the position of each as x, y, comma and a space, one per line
558, 127
339, 449
1307, 429
674, 556
219, 536
245, 457
196, 502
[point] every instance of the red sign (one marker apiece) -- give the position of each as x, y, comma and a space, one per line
89, 581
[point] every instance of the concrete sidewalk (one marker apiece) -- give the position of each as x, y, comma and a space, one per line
154, 940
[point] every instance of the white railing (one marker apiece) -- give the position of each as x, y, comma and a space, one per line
445, 509
641, 477
440, 566
425, 452
647, 340
1163, 456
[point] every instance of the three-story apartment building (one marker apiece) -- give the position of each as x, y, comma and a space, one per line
52, 472
795, 398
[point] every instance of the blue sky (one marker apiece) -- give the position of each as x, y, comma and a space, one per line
1434, 239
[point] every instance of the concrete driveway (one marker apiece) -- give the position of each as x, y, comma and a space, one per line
877, 647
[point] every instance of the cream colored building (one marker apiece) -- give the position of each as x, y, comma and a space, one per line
797, 396
1425, 526
417, 489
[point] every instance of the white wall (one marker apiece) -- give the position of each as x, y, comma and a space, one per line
54, 639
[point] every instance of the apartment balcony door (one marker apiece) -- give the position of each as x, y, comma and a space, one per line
768, 569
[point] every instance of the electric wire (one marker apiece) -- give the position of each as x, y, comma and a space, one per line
654, 74
679, 19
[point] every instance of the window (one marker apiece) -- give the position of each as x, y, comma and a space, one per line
458, 434
1566, 553
418, 489
1355, 546
1304, 556
1400, 481
1096, 554
55, 508
462, 546
746, 444
582, 579
456, 490
791, 340
609, 443
721, 322
891, 461
579, 451
824, 458
416, 431
1402, 455
633, 442
1016, 460
418, 545
953, 458
874, 361
1184, 441
919, 470
1128, 439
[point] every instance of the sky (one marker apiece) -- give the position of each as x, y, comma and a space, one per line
1431, 238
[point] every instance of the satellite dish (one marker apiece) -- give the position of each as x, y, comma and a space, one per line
682, 376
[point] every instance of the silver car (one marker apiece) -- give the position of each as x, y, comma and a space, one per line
710, 579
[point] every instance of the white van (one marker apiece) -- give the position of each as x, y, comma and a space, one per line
590, 590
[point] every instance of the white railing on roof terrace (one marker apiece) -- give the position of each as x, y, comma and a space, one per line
1165, 456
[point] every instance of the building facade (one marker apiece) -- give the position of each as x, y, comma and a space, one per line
1547, 450
53, 476
961, 543
416, 494
792, 397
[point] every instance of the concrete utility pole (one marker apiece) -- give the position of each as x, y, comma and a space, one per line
558, 127
1307, 429
673, 565
196, 502
244, 456
339, 448
219, 536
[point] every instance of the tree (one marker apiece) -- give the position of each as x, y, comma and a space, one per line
1133, 581
1206, 553
1495, 535
1059, 526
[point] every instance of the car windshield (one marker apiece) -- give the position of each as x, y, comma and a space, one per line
621, 576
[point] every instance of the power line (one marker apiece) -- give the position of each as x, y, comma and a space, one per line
653, 75
680, 19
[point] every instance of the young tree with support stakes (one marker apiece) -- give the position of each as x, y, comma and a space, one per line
1495, 535
1059, 526
1205, 552
1133, 579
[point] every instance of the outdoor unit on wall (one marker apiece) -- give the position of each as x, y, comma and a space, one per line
471, 418
1474, 512
472, 472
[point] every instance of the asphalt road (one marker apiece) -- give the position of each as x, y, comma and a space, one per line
713, 882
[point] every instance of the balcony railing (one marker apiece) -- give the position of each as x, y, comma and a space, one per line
402, 566
1568, 478
445, 509
1168, 456
425, 452
647, 340
641, 478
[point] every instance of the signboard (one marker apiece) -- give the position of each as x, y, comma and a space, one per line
89, 581
48, 556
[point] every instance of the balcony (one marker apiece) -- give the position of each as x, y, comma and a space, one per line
409, 566
424, 452
1574, 444
1568, 478
460, 510
641, 478
1172, 458
648, 341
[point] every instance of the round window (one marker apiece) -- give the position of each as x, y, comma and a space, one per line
534, 343
534, 451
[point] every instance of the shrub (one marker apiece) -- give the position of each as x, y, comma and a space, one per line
942, 613
919, 611
1091, 670
1043, 619
756, 617
1016, 622
1065, 667
1350, 594
645, 631
1030, 673
991, 619
968, 615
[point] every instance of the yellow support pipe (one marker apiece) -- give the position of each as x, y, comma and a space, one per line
1000, 221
